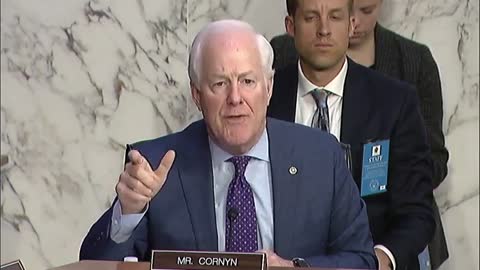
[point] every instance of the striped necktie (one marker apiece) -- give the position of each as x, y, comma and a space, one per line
321, 118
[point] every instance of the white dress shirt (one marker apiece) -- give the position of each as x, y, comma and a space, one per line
306, 110
306, 104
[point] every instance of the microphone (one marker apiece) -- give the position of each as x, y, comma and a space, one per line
232, 215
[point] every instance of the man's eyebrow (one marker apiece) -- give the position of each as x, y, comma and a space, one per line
243, 74
369, 6
336, 10
310, 11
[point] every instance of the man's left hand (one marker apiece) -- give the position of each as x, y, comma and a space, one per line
274, 260
384, 262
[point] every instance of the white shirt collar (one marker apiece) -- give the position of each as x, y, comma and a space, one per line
335, 86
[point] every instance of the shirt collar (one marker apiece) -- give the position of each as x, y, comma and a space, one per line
335, 86
258, 151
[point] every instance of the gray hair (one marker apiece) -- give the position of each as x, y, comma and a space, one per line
264, 47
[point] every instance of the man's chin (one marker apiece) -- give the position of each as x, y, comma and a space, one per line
323, 65
355, 41
238, 141
319, 63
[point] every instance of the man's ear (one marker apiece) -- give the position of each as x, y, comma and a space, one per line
195, 95
270, 87
290, 25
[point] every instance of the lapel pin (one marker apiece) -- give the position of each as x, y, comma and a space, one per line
293, 170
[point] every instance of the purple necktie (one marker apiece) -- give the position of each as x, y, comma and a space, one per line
241, 219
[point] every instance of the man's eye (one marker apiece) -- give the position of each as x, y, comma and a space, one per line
367, 11
248, 81
336, 16
219, 84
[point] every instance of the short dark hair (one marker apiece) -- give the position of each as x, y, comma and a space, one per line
292, 6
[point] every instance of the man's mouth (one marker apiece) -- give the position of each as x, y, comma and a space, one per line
323, 44
236, 118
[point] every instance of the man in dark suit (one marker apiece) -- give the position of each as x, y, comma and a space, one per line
380, 49
291, 194
363, 106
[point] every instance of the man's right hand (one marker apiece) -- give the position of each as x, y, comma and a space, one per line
138, 183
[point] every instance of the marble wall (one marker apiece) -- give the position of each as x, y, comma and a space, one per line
450, 29
80, 78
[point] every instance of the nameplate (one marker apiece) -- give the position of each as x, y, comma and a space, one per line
16, 265
194, 260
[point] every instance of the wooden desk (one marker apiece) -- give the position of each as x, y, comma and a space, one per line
108, 265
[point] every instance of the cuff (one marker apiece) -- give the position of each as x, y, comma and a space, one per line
389, 254
122, 226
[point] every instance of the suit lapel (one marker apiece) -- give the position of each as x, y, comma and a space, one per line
284, 189
356, 104
196, 178
284, 99
355, 108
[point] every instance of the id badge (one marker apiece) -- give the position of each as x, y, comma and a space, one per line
375, 167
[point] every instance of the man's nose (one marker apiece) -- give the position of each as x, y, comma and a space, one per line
234, 95
355, 20
323, 27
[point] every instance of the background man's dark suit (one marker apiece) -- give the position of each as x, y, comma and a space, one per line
317, 211
412, 62
376, 107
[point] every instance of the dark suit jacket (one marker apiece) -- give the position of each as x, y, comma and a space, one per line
318, 213
412, 62
376, 107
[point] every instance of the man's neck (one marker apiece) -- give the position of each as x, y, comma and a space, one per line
363, 53
322, 77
